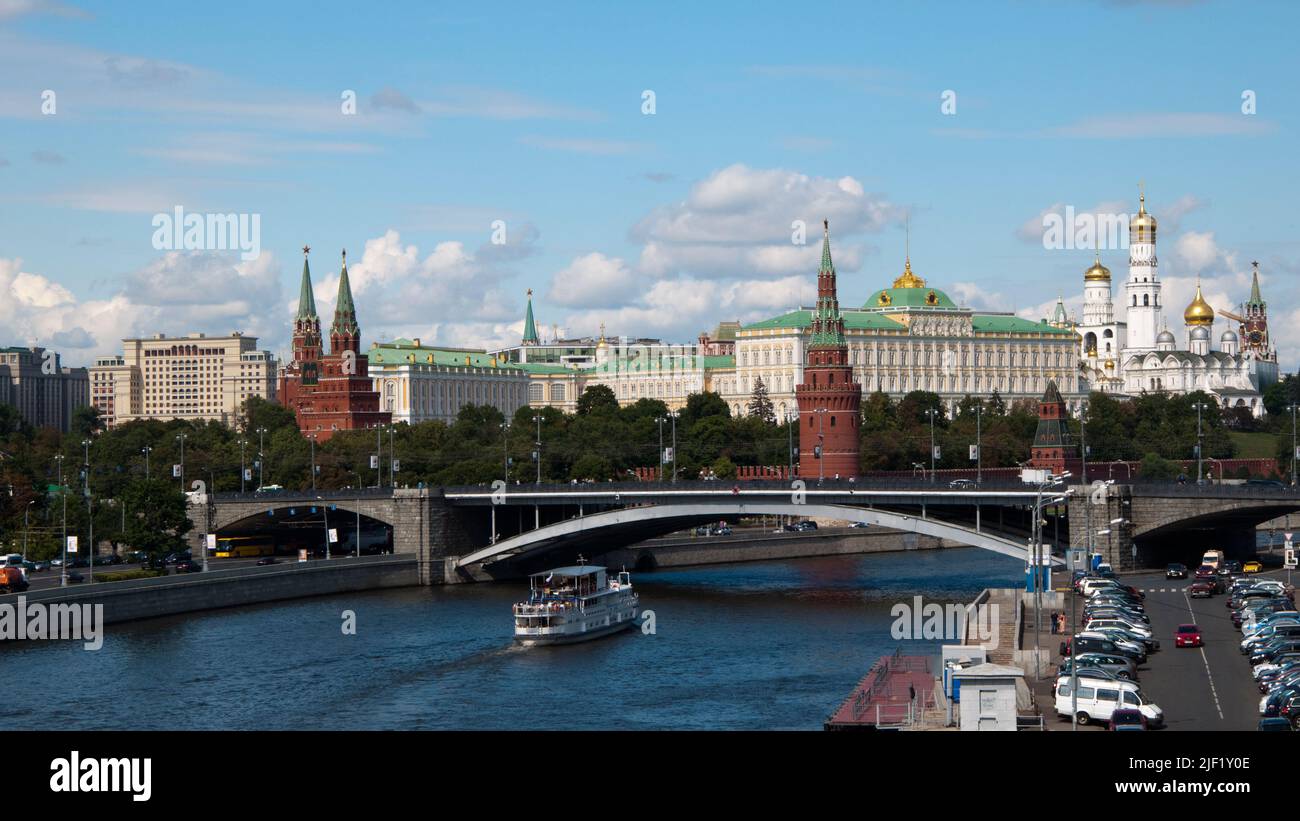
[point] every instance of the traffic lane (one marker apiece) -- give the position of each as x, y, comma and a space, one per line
46, 579
1209, 688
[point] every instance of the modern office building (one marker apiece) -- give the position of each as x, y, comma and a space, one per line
34, 381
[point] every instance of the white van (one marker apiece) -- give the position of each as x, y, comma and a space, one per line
1213, 558
1099, 698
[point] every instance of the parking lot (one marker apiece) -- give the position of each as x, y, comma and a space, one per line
1206, 688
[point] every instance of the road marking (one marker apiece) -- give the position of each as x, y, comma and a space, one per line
1213, 692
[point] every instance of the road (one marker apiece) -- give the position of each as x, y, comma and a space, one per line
50, 578
1209, 688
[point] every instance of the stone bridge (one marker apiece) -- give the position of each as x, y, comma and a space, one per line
506, 529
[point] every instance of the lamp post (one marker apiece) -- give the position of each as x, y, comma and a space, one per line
26, 510
1083, 437
979, 447
789, 427
931, 412
90, 519
63, 579
821, 445
1292, 408
243, 467
660, 420
180, 437
146, 450
392, 457
1037, 553
1200, 406
312, 438
379, 455
261, 458
673, 415
537, 454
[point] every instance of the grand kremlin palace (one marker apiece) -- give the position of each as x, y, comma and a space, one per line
904, 338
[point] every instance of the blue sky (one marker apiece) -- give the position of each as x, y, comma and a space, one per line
659, 224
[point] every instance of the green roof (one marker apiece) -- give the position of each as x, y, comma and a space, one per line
406, 352
542, 367
853, 320
909, 298
345, 311
719, 362
997, 324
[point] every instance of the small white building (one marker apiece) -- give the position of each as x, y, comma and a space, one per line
988, 696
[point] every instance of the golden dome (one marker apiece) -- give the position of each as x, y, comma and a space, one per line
1110, 364
1097, 273
1142, 228
909, 279
1199, 312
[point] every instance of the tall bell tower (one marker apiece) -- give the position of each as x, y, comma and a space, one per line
1142, 291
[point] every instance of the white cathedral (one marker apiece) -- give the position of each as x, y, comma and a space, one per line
1138, 354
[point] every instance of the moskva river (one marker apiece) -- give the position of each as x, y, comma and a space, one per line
771, 645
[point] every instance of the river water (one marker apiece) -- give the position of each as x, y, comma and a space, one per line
770, 645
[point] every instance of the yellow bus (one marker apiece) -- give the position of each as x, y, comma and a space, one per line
229, 547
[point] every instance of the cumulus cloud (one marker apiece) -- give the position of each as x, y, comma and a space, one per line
592, 280
739, 221
161, 297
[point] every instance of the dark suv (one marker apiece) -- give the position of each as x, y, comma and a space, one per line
1176, 571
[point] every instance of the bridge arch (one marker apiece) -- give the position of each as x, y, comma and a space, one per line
599, 532
290, 527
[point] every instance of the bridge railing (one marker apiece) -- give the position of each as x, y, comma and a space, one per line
342, 494
696, 485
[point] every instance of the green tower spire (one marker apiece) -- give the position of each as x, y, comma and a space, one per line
827, 325
306, 299
530, 328
1255, 298
345, 312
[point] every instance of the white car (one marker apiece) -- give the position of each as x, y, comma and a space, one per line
1098, 699
1124, 624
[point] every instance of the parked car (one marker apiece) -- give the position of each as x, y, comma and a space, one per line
1118, 666
1127, 718
1252, 566
1274, 724
1188, 635
1176, 571
1098, 700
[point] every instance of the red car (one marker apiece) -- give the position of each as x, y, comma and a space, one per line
1201, 590
1188, 635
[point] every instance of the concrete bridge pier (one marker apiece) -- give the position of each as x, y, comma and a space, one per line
1091, 509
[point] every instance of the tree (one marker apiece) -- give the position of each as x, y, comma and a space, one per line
1155, 466
703, 405
85, 422
156, 520
597, 399
759, 403
261, 413
591, 466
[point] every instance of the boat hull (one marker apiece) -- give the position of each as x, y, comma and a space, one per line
574, 638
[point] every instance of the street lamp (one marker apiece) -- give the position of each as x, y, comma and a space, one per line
821, 444
90, 519
660, 420
1083, 437
537, 454
789, 427
1200, 406
180, 437
312, 438
243, 466
26, 510
673, 416
979, 448
261, 458
146, 450
63, 579
931, 412
1292, 408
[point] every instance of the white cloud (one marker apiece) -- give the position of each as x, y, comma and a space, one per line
592, 280
739, 222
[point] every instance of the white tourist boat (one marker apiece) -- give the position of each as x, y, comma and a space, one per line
572, 604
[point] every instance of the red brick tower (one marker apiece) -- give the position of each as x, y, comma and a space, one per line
1052, 439
334, 392
828, 397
